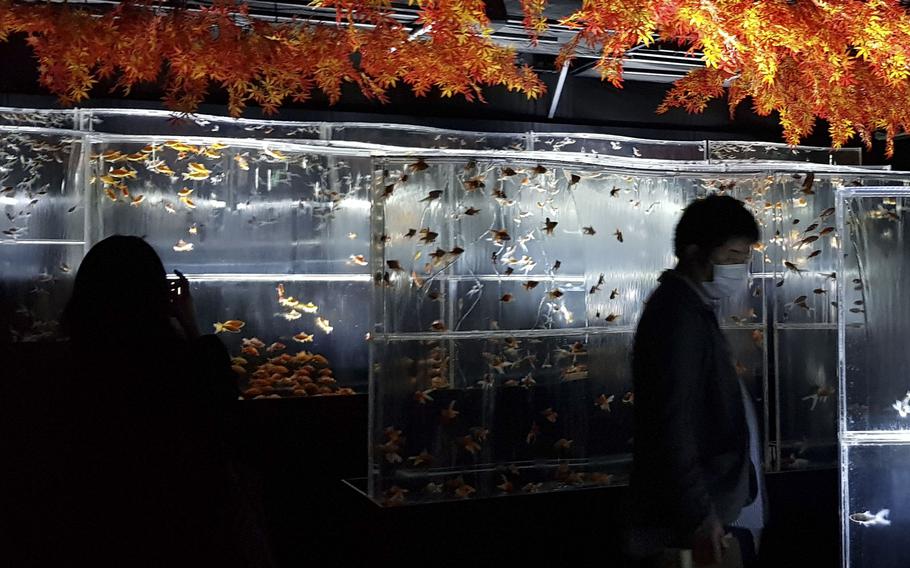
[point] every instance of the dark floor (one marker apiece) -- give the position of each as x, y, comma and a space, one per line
303, 449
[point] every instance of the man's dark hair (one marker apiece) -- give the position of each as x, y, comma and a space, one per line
710, 222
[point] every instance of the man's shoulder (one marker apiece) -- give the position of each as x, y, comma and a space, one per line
673, 296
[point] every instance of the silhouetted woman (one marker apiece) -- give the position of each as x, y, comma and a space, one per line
146, 471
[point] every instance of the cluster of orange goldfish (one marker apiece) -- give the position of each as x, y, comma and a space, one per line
273, 374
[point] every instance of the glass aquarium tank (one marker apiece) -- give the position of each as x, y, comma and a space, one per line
484, 287
875, 398
274, 239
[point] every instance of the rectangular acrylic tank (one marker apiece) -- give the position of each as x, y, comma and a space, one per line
242, 219
502, 344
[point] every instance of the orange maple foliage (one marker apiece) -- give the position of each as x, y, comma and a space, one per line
844, 61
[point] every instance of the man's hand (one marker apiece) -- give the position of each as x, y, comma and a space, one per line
182, 306
709, 542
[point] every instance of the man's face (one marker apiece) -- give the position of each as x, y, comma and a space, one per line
737, 250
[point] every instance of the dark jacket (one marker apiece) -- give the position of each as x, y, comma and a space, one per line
691, 439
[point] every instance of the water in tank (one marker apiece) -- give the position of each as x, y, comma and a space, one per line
874, 402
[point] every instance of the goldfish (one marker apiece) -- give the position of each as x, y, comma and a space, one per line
825, 231
508, 172
183, 246
826, 213
618, 235
111, 194
820, 395
357, 259
612, 317
438, 325
793, 267
506, 485
323, 324
422, 396
137, 201
538, 170
303, 337
807, 241
393, 265
162, 168
449, 413
309, 307
500, 235
813, 254
867, 519
169, 207
291, 315
562, 444
242, 161
464, 491
230, 326
188, 202
422, 459
532, 434
588, 231
418, 166
758, 338
614, 293
603, 402
274, 154
274, 347
628, 398
549, 226
532, 487
469, 444
902, 406
433, 195
122, 173
555, 294
428, 236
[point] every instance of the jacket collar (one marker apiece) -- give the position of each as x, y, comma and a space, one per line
700, 295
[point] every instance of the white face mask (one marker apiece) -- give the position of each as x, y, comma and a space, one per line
729, 280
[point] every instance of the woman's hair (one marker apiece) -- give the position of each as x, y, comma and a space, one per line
710, 222
120, 291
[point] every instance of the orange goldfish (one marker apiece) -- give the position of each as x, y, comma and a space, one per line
183, 246
603, 402
303, 337
230, 326
550, 414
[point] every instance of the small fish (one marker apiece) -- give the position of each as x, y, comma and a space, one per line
538, 170
470, 211
867, 519
530, 285
758, 338
309, 307
825, 231
393, 265
612, 317
449, 413
807, 241
588, 231
193, 230
137, 200
169, 207
819, 291
291, 315
628, 398
123, 173
603, 402
615, 192
275, 347
188, 202
183, 246
242, 162
813, 254
433, 195
410, 233
807, 184
506, 485
857, 311
614, 293
469, 444
635, 152
826, 213
508, 172
418, 166
358, 260
532, 434
303, 337
465, 491
323, 324
275, 154
902, 406
64, 267
562, 444
71, 209
506, 298
428, 236
230, 326
549, 226
811, 228
793, 267
618, 235
475, 184
500, 235
185, 192
438, 325
574, 179
387, 191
